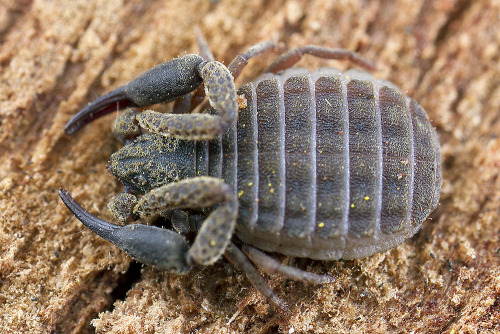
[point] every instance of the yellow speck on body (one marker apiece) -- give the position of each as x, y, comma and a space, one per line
352, 205
240, 193
367, 198
250, 184
271, 190
320, 225
213, 243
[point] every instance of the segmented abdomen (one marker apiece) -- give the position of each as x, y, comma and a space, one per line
327, 165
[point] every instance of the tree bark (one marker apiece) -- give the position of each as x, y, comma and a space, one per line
56, 276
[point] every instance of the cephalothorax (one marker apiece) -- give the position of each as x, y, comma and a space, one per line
322, 164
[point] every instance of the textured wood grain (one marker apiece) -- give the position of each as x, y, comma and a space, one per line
55, 276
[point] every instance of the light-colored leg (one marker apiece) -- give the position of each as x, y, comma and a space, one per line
271, 266
289, 58
241, 60
241, 262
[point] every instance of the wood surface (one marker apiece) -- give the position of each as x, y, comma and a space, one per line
58, 277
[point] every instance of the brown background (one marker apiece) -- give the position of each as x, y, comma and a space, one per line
56, 276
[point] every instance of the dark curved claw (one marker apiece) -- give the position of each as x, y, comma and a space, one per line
115, 100
161, 248
162, 83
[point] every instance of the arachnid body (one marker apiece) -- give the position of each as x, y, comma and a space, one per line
322, 164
